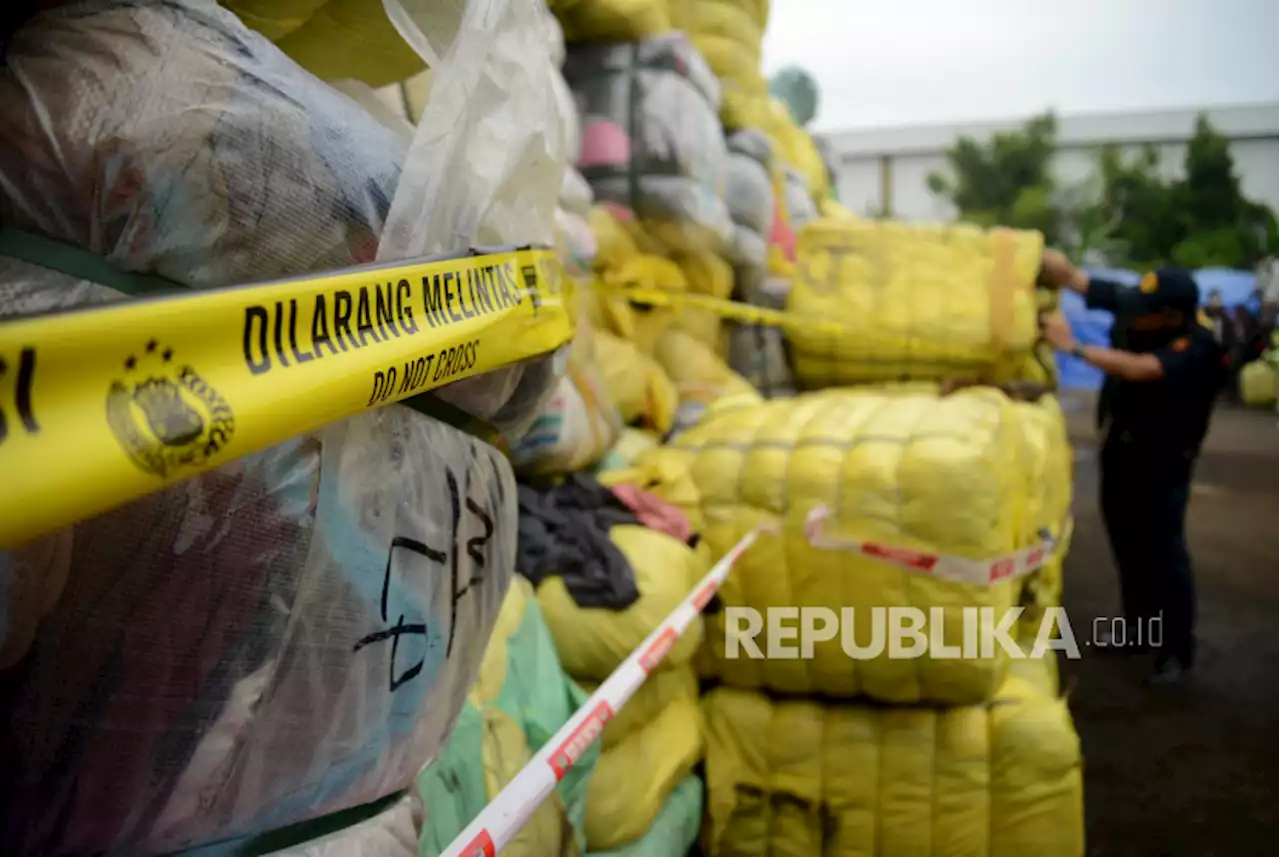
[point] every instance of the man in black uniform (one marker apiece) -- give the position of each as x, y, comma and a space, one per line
1164, 382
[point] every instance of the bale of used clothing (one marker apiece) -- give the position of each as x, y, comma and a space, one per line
749, 196
652, 147
334, 39
835, 209
635, 777
889, 465
579, 422
1259, 383
674, 831
705, 274
564, 536
220, 647
594, 640
641, 390
703, 381
595, 21
912, 301
154, 160
1001, 779
797, 149
648, 748
729, 34
520, 699
759, 352
217, 660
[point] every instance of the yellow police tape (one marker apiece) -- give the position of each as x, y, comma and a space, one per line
731, 310
101, 405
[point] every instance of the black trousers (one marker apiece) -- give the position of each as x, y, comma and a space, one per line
1144, 491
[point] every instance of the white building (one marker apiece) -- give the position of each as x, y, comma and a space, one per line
885, 169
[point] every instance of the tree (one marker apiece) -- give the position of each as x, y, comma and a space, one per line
1196, 221
1006, 180
1128, 213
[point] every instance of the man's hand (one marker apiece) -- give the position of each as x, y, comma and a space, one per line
1057, 331
1058, 271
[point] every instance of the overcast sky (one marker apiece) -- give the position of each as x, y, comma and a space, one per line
897, 62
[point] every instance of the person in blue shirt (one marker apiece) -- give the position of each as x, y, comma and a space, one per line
1164, 381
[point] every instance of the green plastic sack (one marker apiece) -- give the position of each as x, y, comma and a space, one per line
673, 831
519, 701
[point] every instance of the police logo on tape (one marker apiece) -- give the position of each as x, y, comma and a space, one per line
164, 415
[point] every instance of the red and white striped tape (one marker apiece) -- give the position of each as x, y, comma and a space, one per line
502, 819
959, 569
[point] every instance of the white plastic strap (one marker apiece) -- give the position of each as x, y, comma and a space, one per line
958, 569
499, 822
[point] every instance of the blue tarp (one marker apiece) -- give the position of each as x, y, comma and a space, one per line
1093, 327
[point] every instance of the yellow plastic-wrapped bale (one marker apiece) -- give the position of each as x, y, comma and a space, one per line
334, 39
703, 381
1259, 384
834, 209
642, 392
658, 691
648, 747
634, 778
674, 831
710, 275
915, 301
593, 641
611, 20
647, 752
951, 475
798, 149
800, 779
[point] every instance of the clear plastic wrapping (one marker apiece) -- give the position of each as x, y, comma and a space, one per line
749, 196
652, 146
294, 633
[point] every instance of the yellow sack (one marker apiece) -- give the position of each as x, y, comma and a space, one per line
639, 388
953, 474
633, 778
703, 381
592, 641
800, 779
334, 39
831, 208
659, 690
1259, 384
612, 20
911, 300
797, 149
705, 274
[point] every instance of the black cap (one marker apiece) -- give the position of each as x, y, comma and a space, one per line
1164, 289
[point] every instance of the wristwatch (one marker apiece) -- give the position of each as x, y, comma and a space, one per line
1077, 350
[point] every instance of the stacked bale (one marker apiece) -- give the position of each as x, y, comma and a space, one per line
972, 473
264, 656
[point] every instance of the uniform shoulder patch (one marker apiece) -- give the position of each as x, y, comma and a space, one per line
1149, 283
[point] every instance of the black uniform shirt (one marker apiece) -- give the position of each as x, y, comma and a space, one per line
1173, 412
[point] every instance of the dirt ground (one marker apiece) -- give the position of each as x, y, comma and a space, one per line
1189, 770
